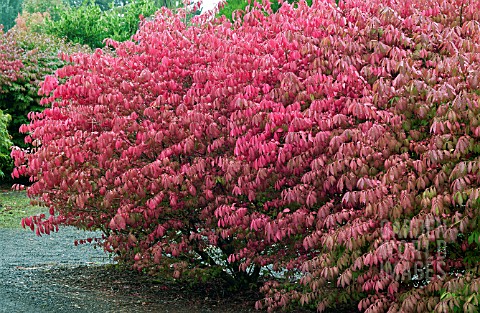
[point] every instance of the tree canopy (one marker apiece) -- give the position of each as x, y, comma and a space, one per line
9, 10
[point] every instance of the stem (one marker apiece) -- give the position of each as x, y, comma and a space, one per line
207, 258
461, 15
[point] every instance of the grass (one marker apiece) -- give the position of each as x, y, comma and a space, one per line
14, 205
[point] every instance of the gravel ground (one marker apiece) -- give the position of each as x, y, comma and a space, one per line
25, 257
49, 274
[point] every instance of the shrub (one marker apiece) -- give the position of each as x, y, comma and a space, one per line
38, 55
10, 66
27, 58
9, 61
335, 145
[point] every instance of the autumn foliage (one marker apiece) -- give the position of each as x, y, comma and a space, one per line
9, 62
335, 145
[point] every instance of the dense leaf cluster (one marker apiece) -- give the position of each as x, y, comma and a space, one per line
336, 145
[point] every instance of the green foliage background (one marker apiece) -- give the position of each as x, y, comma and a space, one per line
234, 5
89, 25
9, 10
53, 7
5, 142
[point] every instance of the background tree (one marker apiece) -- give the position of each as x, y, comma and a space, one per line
107, 4
9, 10
231, 6
53, 7
89, 25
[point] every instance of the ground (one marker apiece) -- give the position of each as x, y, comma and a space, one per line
49, 274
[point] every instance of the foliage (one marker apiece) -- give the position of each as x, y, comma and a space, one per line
337, 145
83, 25
5, 143
32, 22
230, 6
89, 25
9, 10
26, 58
10, 65
122, 22
9, 61
54, 8
105, 5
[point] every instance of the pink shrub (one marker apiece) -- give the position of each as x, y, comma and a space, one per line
338, 144
10, 64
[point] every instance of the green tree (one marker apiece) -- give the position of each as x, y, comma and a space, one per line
52, 7
89, 25
103, 4
9, 10
80, 25
106, 5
